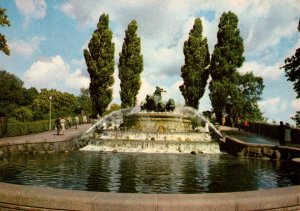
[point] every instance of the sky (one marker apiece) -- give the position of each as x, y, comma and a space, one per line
47, 38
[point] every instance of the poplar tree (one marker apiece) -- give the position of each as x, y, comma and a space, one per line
195, 72
130, 66
3, 22
226, 58
99, 58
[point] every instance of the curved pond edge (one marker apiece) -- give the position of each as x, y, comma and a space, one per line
20, 197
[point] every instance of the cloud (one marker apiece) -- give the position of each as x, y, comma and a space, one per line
273, 106
54, 73
31, 9
164, 26
296, 104
260, 69
27, 47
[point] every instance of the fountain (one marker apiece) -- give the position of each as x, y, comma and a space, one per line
130, 177
155, 127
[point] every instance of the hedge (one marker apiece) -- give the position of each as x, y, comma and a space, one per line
19, 129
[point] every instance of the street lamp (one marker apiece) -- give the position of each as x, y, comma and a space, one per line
50, 99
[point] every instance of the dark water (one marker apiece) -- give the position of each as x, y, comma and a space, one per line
148, 173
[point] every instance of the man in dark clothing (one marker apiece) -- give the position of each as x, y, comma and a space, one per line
281, 133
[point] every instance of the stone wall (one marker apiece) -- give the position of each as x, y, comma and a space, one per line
236, 147
271, 131
18, 197
42, 147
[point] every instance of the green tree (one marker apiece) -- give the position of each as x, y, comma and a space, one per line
4, 22
28, 96
84, 101
292, 72
62, 104
11, 93
292, 68
226, 58
243, 97
130, 66
296, 118
23, 114
195, 72
113, 107
99, 58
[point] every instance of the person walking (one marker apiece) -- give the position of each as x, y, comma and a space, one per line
76, 121
62, 124
57, 125
287, 135
281, 133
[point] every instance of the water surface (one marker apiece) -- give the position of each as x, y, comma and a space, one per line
148, 173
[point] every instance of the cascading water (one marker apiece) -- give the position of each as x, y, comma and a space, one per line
116, 117
150, 138
191, 112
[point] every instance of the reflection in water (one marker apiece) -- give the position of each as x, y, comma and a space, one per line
148, 173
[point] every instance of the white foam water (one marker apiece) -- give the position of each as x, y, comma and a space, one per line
152, 146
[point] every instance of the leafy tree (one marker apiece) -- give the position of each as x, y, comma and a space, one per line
4, 22
296, 118
226, 58
292, 71
62, 104
292, 68
28, 96
243, 97
194, 72
11, 93
113, 107
84, 101
23, 114
130, 66
99, 58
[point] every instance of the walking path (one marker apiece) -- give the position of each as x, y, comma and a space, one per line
47, 136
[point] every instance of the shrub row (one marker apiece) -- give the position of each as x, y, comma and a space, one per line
19, 129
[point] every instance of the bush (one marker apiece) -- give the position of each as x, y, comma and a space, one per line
19, 129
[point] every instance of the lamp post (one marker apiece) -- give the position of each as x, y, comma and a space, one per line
50, 99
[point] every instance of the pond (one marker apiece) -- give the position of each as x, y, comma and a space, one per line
148, 172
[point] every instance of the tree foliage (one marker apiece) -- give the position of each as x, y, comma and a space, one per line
226, 58
243, 97
194, 72
4, 22
84, 101
292, 72
296, 118
292, 68
11, 93
130, 66
99, 58
62, 104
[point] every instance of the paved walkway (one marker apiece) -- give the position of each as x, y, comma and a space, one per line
47, 136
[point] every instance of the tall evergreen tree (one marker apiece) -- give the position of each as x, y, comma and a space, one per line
99, 58
226, 58
130, 66
3, 22
194, 72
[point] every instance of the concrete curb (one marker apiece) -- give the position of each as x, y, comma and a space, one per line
40, 198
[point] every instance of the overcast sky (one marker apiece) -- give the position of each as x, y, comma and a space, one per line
47, 38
